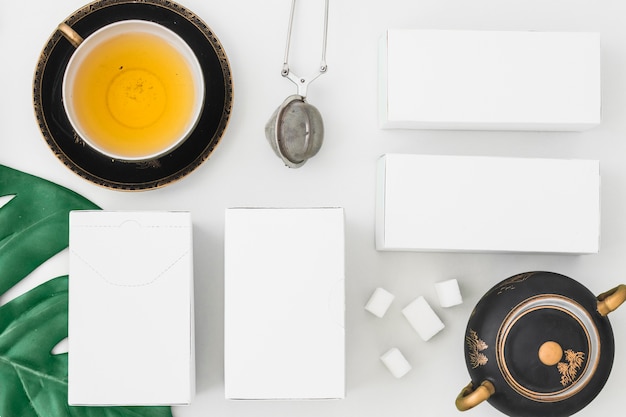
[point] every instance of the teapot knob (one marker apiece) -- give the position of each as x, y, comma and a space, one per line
610, 300
470, 397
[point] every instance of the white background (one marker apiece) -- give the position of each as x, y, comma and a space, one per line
243, 171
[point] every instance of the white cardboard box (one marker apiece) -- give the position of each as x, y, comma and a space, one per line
483, 204
489, 80
284, 303
131, 327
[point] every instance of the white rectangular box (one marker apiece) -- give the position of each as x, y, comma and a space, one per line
489, 80
483, 204
284, 303
131, 327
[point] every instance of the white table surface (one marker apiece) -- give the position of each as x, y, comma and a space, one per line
243, 171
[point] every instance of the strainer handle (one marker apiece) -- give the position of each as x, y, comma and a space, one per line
303, 82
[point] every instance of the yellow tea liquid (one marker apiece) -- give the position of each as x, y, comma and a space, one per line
134, 95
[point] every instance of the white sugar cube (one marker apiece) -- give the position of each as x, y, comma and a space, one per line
395, 361
379, 302
423, 319
448, 293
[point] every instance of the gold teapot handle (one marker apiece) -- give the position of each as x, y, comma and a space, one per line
470, 397
610, 300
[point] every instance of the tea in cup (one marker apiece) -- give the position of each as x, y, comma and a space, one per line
133, 90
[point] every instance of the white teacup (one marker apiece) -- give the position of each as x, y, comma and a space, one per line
133, 90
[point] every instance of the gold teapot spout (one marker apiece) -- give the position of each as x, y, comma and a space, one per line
611, 300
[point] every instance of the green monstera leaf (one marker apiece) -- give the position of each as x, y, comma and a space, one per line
33, 228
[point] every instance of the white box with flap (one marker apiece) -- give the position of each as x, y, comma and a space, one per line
131, 327
284, 303
487, 204
489, 80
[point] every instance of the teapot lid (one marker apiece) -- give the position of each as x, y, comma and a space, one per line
548, 348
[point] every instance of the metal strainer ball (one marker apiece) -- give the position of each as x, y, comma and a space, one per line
295, 131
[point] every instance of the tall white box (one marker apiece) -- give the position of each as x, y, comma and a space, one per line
284, 303
487, 204
489, 80
131, 327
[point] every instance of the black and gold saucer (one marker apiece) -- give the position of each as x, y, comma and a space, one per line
133, 175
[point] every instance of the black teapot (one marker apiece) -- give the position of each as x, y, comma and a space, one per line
539, 343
